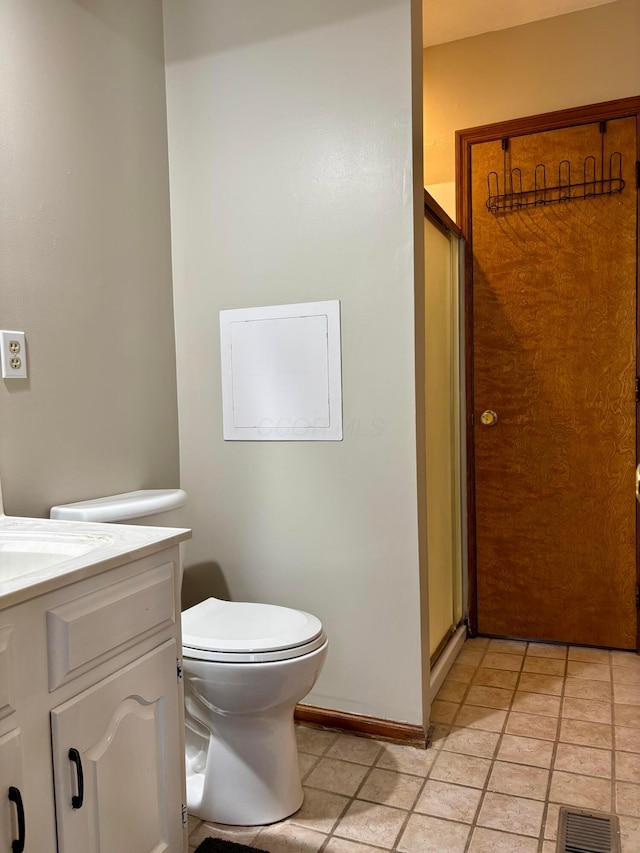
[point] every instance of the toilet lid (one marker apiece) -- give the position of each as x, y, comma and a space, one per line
242, 627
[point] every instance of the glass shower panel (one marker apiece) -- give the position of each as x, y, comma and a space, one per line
443, 434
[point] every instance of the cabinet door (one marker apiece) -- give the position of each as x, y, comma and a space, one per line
123, 736
11, 823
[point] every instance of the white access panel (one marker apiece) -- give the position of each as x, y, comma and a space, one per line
281, 372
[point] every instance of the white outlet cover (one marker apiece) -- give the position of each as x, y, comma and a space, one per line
281, 372
7, 338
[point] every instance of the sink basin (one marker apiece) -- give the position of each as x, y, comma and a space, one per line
30, 551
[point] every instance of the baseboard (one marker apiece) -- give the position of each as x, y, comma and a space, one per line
362, 725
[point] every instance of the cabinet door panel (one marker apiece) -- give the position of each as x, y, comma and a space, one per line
10, 776
126, 730
6, 708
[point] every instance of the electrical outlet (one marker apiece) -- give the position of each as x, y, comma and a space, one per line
13, 355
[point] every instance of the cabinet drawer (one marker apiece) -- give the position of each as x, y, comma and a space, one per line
92, 628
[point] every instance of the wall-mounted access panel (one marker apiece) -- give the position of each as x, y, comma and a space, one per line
281, 372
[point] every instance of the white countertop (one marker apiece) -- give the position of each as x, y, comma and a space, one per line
105, 545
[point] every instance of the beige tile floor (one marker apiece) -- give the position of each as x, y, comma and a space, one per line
519, 729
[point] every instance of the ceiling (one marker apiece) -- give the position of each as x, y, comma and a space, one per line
449, 20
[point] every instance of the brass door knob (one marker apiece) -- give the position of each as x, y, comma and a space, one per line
489, 418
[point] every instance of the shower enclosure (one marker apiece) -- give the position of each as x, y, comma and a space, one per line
445, 479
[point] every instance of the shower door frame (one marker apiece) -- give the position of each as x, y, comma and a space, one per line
439, 218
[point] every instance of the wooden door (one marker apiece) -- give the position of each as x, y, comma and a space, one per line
127, 737
554, 356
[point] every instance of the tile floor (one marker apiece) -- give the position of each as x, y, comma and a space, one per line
519, 728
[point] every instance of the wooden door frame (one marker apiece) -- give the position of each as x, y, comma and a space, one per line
465, 139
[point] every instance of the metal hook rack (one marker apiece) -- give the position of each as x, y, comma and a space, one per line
595, 182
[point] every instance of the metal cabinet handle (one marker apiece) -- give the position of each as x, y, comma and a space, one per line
77, 799
17, 846
638, 483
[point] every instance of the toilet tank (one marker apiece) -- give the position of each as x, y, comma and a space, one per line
148, 507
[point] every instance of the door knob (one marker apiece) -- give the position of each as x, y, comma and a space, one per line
490, 418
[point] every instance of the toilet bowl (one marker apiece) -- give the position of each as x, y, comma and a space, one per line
246, 666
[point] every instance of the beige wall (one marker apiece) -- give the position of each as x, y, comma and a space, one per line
582, 58
290, 131
85, 263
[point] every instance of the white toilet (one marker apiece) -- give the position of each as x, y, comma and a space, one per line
246, 666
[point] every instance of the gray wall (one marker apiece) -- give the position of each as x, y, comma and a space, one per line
292, 136
85, 266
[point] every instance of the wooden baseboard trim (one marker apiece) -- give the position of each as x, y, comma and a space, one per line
362, 725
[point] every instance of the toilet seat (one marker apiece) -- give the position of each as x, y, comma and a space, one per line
245, 632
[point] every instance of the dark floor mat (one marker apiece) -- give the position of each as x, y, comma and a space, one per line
220, 845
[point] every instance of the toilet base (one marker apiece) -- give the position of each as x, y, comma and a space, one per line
246, 773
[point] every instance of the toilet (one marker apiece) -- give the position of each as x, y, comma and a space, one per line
246, 666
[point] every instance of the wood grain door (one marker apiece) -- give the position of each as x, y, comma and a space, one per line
554, 356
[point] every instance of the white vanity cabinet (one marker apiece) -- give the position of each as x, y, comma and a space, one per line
115, 756
12, 825
91, 714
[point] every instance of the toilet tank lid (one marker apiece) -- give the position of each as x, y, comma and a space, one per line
124, 507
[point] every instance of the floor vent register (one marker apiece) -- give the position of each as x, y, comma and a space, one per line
588, 832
